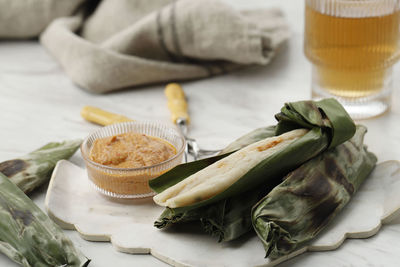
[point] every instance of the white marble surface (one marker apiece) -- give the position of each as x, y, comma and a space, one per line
38, 104
128, 224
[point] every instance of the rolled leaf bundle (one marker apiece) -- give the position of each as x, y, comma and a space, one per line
328, 124
225, 173
229, 218
28, 236
227, 214
34, 169
295, 211
182, 171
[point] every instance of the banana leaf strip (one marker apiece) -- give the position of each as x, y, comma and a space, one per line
327, 114
28, 236
32, 170
295, 211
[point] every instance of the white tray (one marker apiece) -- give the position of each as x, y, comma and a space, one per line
128, 224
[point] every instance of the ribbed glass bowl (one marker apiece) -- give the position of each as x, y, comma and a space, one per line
131, 182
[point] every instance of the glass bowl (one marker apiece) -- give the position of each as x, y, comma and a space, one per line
131, 182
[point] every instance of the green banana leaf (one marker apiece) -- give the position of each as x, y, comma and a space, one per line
32, 170
182, 171
249, 138
304, 114
231, 219
327, 113
228, 218
28, 236
277, 167
295, 211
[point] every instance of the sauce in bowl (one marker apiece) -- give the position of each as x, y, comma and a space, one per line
121, 158
131, 150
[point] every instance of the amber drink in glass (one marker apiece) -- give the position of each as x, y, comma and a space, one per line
353, 45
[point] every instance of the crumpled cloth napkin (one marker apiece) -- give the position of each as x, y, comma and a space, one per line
21, 19
129, 43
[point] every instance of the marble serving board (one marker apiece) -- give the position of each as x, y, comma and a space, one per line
128, 224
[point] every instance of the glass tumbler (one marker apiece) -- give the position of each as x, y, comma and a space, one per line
352, 45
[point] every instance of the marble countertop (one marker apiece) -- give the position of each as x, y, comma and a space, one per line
38, 104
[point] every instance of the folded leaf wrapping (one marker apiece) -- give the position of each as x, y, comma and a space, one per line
295, 211
228, 218
326, 114
32, 170
222, 176
28, 236
212, 216
229, 223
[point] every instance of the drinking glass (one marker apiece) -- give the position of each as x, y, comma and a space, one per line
353, 45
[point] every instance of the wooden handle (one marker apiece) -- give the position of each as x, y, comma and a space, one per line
101, 117
177, 102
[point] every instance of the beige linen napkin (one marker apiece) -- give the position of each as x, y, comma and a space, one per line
28, 18
127, 43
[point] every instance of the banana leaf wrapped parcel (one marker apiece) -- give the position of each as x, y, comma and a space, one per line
295, 211
32, 170
221, 191
28, 236
228, 218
